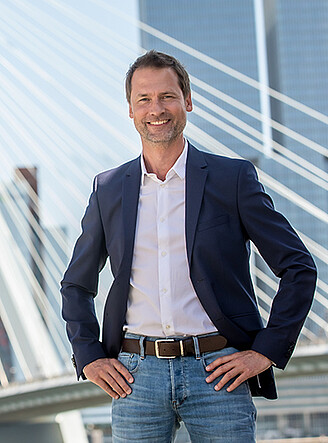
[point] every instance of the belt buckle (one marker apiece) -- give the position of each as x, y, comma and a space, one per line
157, 351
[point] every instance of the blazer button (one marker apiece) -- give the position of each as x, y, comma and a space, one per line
73, 361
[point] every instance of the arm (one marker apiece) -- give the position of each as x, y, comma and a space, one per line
288, 258
79, 287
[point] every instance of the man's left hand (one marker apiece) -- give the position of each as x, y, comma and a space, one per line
243, 365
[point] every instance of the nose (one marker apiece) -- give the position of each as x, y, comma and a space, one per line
156, 107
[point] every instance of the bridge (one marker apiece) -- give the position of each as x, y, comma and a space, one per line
21, 402
64, 119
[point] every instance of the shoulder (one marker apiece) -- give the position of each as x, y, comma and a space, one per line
215, 161
117, 174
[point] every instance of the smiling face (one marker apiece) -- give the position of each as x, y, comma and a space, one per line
157, 105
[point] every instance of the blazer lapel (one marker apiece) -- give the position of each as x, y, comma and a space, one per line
196, 173
130, 199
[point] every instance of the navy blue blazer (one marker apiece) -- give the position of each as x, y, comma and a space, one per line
226, 208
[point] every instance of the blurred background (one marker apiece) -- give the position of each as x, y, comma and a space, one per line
259, 73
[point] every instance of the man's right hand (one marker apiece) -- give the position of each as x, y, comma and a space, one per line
110, 375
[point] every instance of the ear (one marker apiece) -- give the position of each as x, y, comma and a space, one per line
130, 111
189, 103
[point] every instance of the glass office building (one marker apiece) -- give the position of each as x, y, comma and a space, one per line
296, 37
296, 59
223, 30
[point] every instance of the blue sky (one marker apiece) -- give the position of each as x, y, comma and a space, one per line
62, 103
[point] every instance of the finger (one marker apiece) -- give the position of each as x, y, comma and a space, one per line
105, 372
219, 371
115, 374
105, 387
122, 370
118, 385
239, 380
221, 360
117, 382
224, 380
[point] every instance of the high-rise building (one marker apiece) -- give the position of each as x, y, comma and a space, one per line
223, 30
284, 43
295, 56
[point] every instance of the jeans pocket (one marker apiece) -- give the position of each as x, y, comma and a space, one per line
130, 361
209, 357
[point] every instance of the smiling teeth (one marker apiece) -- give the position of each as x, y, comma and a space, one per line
158, 123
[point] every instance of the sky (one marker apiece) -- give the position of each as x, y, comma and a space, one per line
62, 102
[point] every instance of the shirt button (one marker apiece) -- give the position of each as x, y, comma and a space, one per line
162, 219
163, 254
168, 327
162, 185
164, 290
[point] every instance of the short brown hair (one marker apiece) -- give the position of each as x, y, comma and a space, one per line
159, 60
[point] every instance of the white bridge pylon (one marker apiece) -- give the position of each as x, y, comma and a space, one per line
23, 322
27, 332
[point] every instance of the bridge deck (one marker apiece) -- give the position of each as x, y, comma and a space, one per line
302, 386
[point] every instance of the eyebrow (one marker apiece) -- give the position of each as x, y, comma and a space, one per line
161, 93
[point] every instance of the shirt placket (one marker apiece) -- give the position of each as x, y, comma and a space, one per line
164, 258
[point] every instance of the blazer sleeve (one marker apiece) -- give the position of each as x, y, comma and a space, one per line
287, 257
79, 287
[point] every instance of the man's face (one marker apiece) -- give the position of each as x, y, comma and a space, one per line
157, 105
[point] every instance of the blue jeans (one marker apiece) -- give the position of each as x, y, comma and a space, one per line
167, 391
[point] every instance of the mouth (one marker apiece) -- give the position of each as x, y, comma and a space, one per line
159, 122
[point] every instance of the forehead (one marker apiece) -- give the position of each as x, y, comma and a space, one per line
150, 80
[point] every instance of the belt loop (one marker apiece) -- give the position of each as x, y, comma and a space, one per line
141, 346
196, 346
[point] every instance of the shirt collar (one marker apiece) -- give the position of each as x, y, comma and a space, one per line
179, 166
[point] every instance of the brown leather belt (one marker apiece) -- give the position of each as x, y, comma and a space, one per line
171, 348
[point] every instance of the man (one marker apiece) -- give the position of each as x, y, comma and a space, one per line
182, 336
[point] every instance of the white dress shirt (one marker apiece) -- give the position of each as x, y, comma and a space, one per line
162, 301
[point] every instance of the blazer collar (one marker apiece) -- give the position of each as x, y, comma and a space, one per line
179, 166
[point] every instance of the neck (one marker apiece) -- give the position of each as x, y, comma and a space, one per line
160, 158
